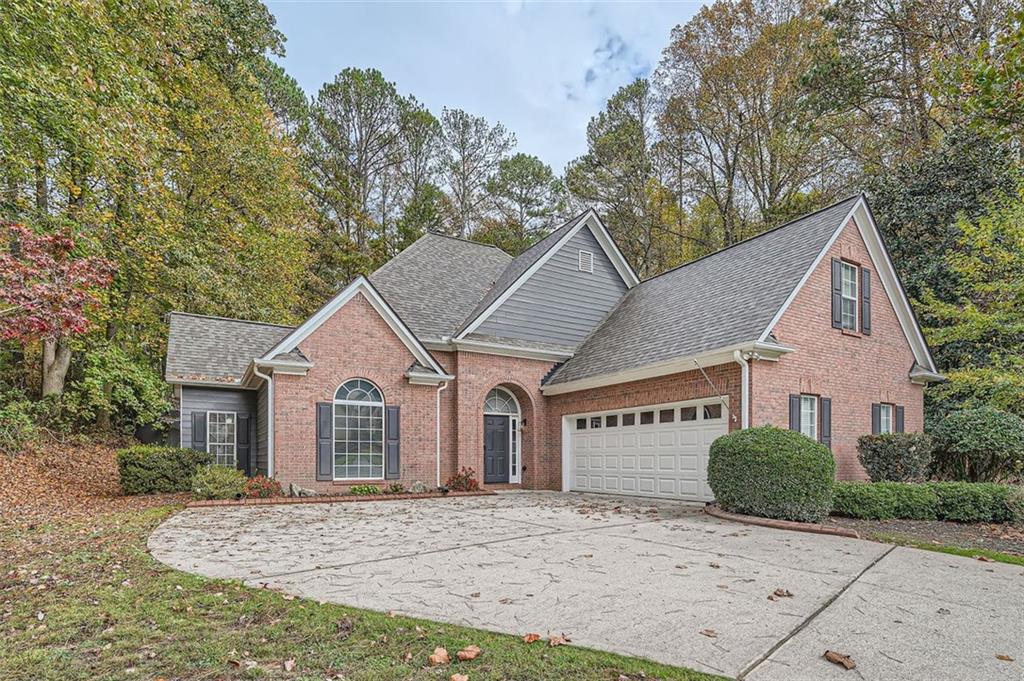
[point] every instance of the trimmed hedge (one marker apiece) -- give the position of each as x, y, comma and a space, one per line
772, 473
218, 482
968, 502
895, 457
979, 445
149, 469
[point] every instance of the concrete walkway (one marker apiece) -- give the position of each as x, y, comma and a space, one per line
630, 576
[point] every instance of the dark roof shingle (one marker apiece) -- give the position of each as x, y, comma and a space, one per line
722, 299
205, 349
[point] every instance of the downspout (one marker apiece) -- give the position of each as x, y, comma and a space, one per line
745, 386
269, 378
441, 388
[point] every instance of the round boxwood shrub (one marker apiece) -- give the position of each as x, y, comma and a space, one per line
218, 482
773, 473
979, 445
895, 457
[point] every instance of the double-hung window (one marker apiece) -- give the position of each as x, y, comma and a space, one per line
885, 418
809, 416
222, 437
851, 300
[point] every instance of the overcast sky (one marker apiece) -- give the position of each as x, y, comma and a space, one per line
541, 68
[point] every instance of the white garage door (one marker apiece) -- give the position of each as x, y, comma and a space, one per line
654, 451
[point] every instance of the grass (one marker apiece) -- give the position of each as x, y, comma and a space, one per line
902, 540
84, 600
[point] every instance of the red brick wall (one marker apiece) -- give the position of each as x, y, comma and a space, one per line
353, 343
855, 371
690, 385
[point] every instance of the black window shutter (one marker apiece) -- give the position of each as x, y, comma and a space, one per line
899, 419
794, 412
837, 293
199, 430
244, 444
392, 463
825, 432
324, 441
865, 302
876, 418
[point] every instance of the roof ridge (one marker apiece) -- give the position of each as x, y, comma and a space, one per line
756, 236
465, 240
228, 319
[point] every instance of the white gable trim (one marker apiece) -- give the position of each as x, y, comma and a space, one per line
360, 286
597, 228
861, 216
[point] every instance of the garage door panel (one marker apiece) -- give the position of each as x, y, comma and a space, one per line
659, 460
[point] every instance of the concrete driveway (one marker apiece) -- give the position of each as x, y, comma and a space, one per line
630, 576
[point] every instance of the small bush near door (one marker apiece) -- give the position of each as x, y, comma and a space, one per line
979, 445
261, 487
772, 473
149, 469
463, 481
895, 457
218, 482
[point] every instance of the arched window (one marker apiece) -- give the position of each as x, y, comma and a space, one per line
358, 431
500, 402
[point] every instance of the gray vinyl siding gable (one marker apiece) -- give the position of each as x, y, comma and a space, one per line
559, 303
195, 399
262, 463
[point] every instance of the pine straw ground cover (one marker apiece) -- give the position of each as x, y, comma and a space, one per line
80, 598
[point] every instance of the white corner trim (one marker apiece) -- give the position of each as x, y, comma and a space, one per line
363, 286
590, 220
861, 216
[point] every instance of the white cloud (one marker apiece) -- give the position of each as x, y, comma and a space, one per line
541, 69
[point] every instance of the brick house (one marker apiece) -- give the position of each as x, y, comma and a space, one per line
559, 369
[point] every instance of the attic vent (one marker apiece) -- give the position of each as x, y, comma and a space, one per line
586, 261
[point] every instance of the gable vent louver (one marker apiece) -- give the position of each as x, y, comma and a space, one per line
586, 261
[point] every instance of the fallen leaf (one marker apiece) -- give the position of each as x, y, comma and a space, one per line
558, 640
458, 677
840, 659
289, 665
710, 633
984, 559
531, 638
714, 565
408, 656
779, 593
475, 594
468, 653
439, 657
1004, 658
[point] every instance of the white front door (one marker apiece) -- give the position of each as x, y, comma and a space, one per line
652, 451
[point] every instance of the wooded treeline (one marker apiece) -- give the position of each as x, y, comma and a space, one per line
164, 141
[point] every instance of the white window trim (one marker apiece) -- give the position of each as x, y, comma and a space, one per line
885, 411
587, 258
234, 442
844, 268
816, 401
383, 430
515, 466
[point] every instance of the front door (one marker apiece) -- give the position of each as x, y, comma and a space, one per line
496, 449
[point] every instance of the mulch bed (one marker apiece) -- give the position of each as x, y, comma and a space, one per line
995, 537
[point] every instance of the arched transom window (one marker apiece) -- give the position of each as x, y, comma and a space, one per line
500, 402
358, 431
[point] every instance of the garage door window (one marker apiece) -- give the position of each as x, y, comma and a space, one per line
646, 418
628, 419
712, 412
595, 422
581, 424
611, 421
667, 416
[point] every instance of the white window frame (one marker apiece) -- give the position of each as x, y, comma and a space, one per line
846, 267
588, 258
515, 468
383, 431
234, 439
885, 418
809, 427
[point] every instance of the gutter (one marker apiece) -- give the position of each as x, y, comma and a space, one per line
740, 359
269, 378
437, 443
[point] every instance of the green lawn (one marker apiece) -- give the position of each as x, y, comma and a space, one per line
84, 600
901, 540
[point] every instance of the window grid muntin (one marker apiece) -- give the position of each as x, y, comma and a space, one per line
500, 402
809, 416
221, 437
358, 431
849, 296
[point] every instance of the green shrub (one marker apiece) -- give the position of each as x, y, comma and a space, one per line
395, 488
364, 490
147, 469
895, 457
960, 501
261, 487
18, 427
979, 445
218, 482
772, 473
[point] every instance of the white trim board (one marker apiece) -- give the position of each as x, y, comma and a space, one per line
590, 220
861, 216
359, 285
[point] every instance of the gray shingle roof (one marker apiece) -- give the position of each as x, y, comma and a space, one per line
722, 299
515, 269
434, 283
214, 349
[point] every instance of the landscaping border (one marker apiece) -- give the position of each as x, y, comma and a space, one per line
327, 499
714, 510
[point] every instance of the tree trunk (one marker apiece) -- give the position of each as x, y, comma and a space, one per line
56, 360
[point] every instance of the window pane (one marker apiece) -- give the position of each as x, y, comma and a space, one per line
688, 414
849, 296
611, 421
809, 416
712, 411
581, 424
646, 418
595, 421
885, 420
628, 419
666, 416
